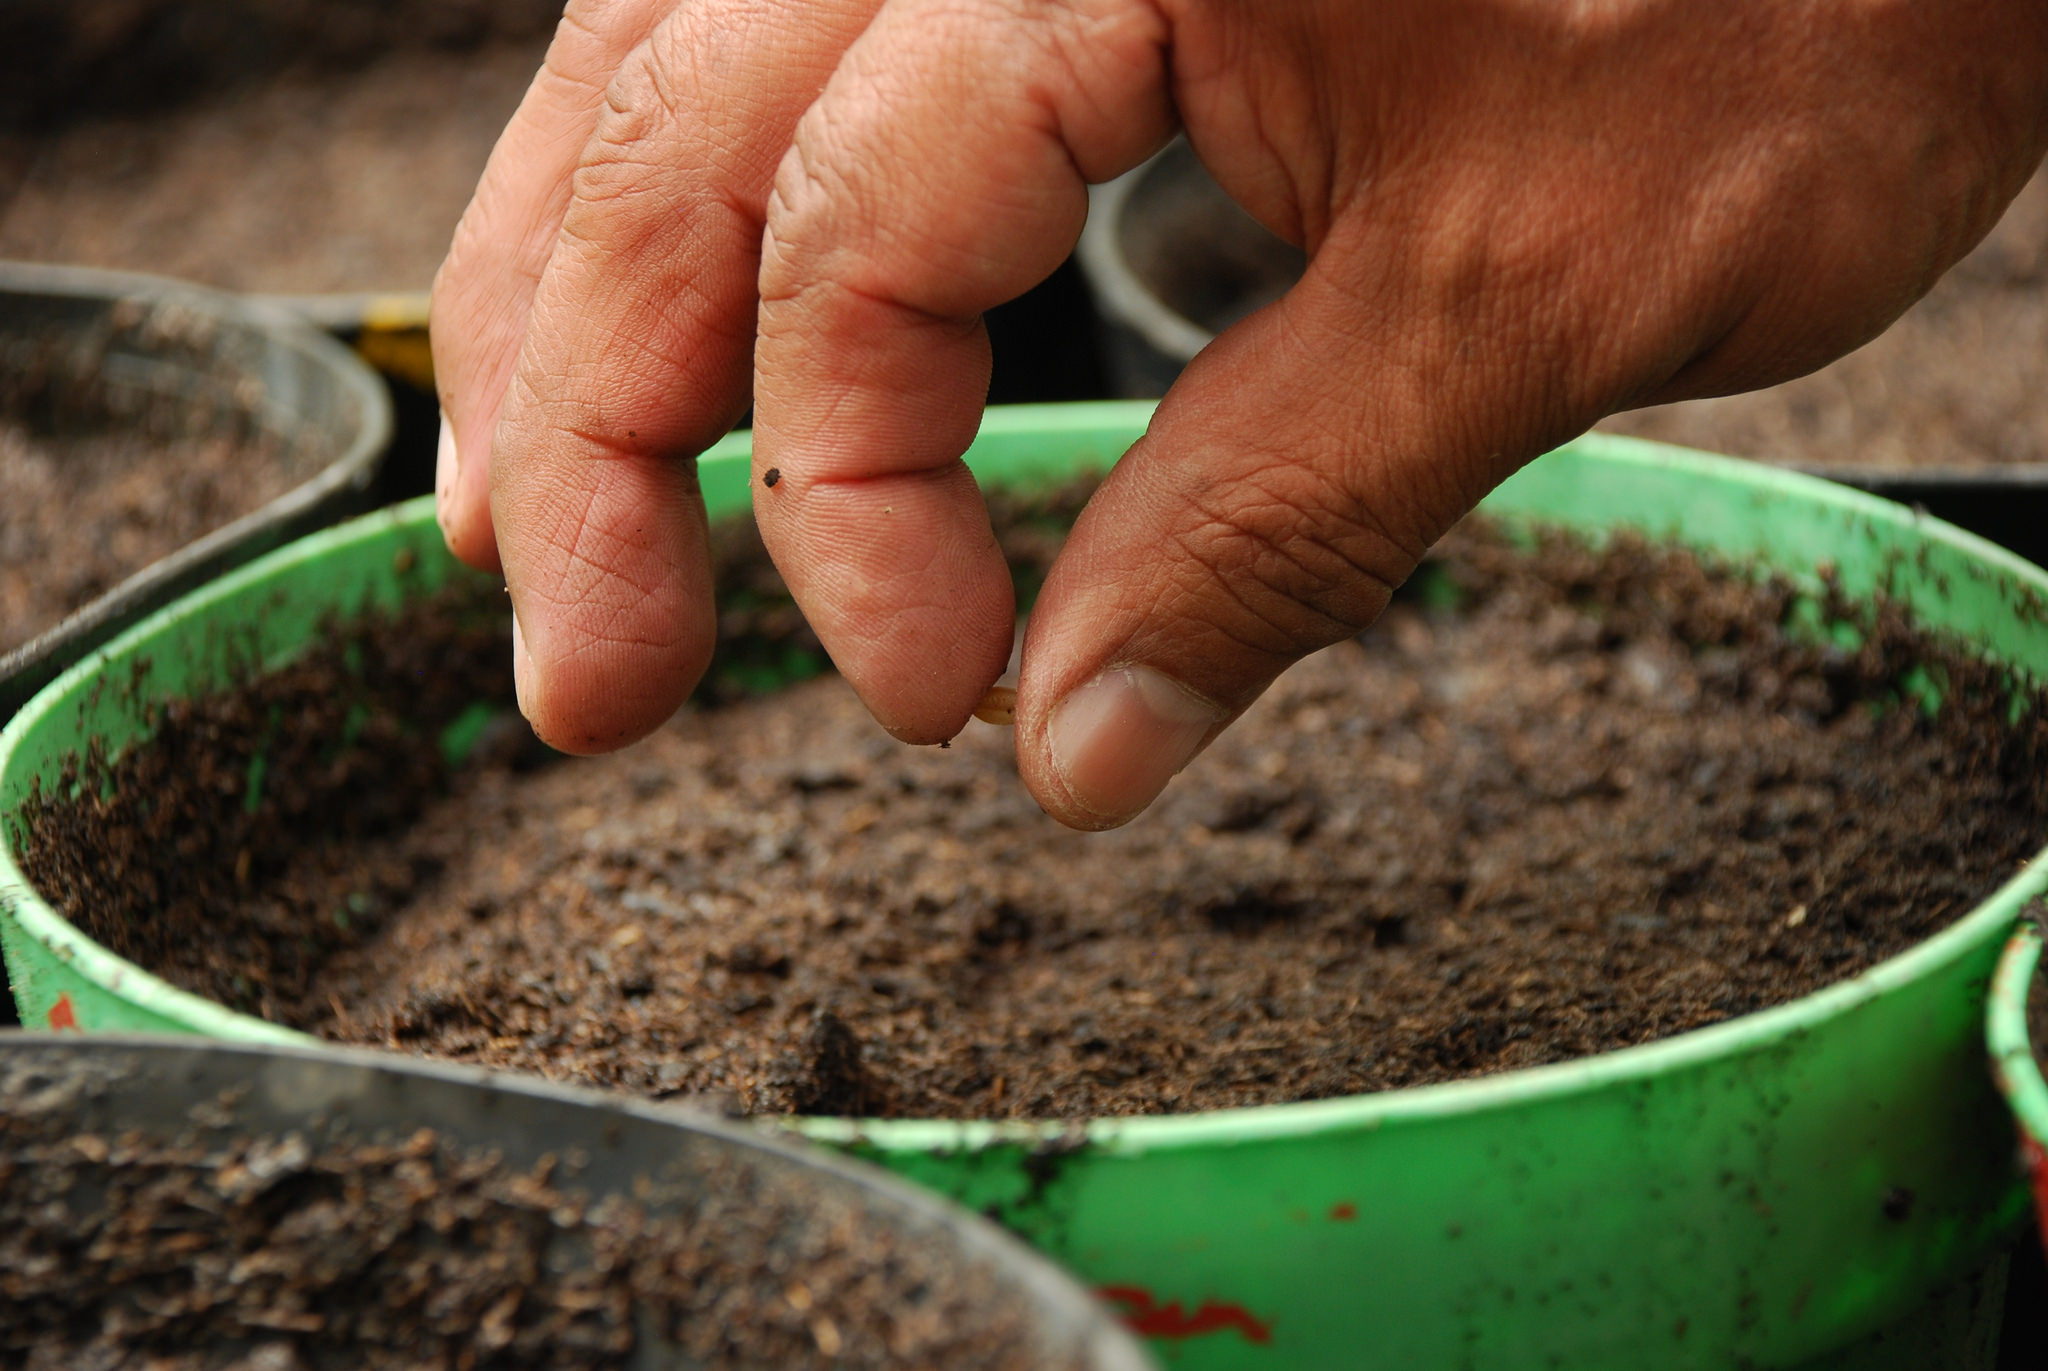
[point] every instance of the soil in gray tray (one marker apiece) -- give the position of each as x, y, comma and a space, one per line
1558, 801
213, 1251
295, 147
79, 513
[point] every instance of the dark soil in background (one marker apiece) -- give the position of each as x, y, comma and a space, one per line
292, 1252
289, 146
1599, 799
81, 513
123, 438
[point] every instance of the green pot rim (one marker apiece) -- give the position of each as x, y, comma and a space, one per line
1755, 1033
2013, 1062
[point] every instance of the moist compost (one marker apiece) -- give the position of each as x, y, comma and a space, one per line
80, 513
1559, 801
293, 147
303, 1251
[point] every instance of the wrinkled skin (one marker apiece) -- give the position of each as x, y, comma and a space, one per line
1520, 215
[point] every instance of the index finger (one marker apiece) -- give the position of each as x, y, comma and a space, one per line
942, 171
636, 359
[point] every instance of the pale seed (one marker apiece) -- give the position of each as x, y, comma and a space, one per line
998, 706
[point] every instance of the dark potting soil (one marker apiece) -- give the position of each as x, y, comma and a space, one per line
1555, 803
80, 513
184, 836
300, 1251
1960, 380
288, 146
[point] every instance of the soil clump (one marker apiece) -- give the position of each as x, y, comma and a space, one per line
217, 1249
291, 148
1561, 800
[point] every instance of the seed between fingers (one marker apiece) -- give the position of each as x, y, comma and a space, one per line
998, 706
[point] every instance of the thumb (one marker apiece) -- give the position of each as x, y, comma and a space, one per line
1295, 474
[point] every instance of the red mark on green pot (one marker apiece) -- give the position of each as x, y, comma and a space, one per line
1145, 1316
62, 1015
1343, 1213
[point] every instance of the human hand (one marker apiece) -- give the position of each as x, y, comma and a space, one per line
1520, 215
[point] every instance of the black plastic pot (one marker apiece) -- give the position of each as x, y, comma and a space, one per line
163, 1089
84, 351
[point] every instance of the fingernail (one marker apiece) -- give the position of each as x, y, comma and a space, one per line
447, 466
1119, 739
522, 669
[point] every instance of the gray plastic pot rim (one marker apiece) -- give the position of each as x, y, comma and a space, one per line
28, 667
1119, 292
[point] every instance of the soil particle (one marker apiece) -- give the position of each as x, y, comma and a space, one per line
297, 1251
1960, 380
331, 148
1559, 801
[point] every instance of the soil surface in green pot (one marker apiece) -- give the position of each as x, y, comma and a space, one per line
294, 148
298, 1252
1561, 800
81, 512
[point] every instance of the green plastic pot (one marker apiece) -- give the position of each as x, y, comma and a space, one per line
1823, 1184
2013, 1059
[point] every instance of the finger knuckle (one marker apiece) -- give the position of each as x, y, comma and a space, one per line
1301, 561
808, 182
637, 111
